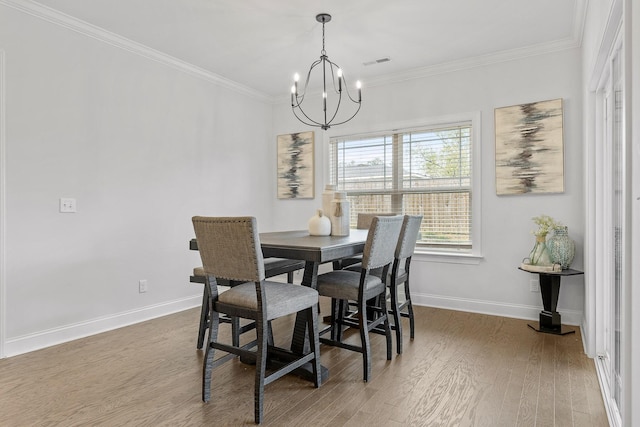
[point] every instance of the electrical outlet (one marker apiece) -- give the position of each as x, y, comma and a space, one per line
534, 285
142, 286
68, 205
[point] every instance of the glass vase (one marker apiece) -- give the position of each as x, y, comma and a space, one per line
539, 255
562, 249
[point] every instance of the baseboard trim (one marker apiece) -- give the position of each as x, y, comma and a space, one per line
517, 311
48, 338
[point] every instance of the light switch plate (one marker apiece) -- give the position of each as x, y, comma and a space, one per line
68, 205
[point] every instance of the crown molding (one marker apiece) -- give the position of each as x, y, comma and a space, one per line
58, 18
572, 42
63, 20
475, 62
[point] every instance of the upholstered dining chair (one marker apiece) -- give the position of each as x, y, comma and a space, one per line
398, 275
343, 286
230, 249
363, 223
272, 267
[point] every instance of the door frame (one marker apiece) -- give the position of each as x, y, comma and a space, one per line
3, 208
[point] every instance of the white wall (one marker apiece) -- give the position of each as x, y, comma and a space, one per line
142, 147
494, 285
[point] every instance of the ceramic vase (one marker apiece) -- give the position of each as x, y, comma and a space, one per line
340, 211
539, 254
319, 224
327, 196
562, 249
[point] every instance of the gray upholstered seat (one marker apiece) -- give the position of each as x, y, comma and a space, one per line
281, 298
230, 249
272, 267
343, 286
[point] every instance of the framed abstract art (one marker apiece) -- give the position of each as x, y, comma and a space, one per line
296, 166
529, 148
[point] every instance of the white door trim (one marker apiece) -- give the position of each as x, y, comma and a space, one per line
3, 208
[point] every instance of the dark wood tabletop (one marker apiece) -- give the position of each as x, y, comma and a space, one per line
320, 249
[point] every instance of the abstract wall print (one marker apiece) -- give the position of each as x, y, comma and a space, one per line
529, 148
295, 166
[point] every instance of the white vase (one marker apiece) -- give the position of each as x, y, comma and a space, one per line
319, 224
340, 214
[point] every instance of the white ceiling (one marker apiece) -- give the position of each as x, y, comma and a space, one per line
261, 43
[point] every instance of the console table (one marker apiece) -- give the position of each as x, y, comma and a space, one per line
550, 288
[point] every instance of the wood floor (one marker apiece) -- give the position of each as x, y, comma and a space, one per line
462, 369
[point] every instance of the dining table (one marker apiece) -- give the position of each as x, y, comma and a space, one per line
314, 250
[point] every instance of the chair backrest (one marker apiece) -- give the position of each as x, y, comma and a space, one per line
382, 240
364, 219
230, 247
408, 236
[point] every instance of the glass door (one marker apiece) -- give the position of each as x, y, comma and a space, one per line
617, 220
610, 170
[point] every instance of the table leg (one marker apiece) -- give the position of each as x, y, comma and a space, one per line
550, 319
300, 338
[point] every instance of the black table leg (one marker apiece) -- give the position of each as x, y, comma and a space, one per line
300, 339
550, 321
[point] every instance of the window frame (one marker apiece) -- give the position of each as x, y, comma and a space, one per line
454, 255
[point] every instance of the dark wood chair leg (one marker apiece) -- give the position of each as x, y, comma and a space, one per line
262, 327
204, 318
397, 318
407, 295
214, 321
314, 344
364, 337
386, 327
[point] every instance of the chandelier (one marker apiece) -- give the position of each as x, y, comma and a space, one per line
331, 73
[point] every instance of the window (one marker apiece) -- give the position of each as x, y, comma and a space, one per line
426, 171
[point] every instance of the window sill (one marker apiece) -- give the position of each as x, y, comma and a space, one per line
447, 257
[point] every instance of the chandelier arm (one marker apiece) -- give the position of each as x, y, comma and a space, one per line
300, 97
345, 121
313, 123
346, 88
319, 124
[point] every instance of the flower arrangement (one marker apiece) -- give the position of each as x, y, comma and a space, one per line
545, 224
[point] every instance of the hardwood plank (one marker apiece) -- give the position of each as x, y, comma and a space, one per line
462, 369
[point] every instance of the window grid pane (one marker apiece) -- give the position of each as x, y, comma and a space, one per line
433, 179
